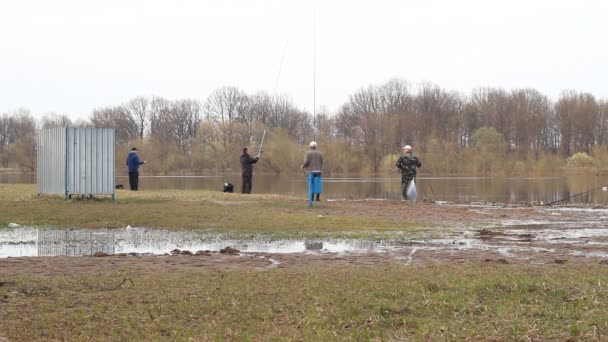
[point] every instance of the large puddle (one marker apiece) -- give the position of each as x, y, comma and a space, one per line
29, 241
584, 234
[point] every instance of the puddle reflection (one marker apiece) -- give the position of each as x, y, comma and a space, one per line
507, 237
27, 241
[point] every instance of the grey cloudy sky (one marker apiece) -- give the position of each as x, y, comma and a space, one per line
69, 56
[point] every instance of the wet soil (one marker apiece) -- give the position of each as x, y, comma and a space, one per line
471, 233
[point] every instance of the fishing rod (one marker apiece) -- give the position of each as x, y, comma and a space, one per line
603, 187
262, 143
158, 156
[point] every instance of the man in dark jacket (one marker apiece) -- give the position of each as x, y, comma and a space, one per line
133, 164
247, 170
407, 163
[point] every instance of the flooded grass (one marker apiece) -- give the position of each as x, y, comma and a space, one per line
390, 302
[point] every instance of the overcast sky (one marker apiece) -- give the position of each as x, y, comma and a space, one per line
69, 57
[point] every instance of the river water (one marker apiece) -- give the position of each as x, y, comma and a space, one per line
450, 189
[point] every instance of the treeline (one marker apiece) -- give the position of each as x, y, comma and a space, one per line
491, 131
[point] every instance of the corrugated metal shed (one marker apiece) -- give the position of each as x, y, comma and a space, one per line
51, 162
76, 161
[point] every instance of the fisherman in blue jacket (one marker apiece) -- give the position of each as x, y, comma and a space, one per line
133, 163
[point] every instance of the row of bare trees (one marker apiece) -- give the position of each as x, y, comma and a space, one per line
379, 119
187, 134
17, 135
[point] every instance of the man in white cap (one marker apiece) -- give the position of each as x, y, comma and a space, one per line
407, 163
313, 163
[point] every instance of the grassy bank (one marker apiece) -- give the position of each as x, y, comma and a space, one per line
168, 300
191, 209
481, 302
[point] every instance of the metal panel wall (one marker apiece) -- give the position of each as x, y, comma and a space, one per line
76, 161
51, 161
90, 161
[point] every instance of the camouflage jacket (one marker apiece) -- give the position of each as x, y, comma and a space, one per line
407, 163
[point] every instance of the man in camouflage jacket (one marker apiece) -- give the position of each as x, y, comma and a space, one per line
407, 163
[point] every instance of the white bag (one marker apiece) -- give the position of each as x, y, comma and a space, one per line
411, 191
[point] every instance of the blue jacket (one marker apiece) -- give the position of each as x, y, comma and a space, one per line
133, 162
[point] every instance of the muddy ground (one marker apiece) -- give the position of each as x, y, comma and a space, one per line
471, 233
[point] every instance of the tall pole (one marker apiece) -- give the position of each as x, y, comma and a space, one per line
314, 76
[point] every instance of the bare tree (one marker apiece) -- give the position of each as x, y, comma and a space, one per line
396, 97
224, 107
226, 104
601, 127
139, 110
116, 117
261, 106
577, 115
531, 113
51, 120
494, 107
432, 114
6, 138
22, 140
362, 121
158, 121
185, 117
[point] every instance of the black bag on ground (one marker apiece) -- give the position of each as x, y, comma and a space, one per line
228, 187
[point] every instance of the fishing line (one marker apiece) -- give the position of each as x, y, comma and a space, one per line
580, 193
276, 83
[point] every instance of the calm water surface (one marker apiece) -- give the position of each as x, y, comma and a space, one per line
452, 189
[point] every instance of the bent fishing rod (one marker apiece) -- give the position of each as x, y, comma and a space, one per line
580, 193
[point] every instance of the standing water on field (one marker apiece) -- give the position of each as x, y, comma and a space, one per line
561, 232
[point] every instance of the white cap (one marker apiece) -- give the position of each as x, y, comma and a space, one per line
313, 144
407, 147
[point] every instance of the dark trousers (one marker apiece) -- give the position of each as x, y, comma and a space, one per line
405, 182
133, 180
246, 184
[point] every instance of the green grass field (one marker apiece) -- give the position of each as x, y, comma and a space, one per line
476, 302
191, 209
